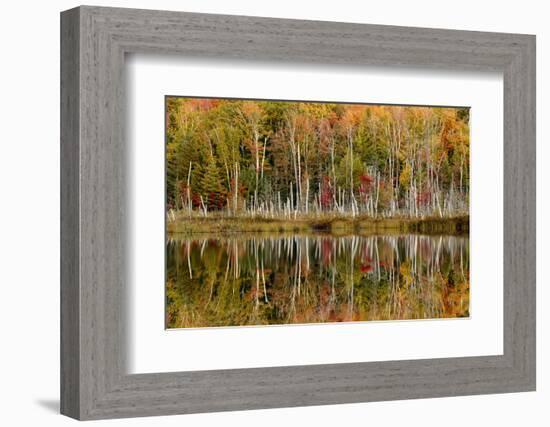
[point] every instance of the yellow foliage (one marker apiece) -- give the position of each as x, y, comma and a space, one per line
405, 177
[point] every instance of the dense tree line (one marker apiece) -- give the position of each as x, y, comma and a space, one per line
241, 157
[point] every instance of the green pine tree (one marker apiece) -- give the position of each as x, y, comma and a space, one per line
212, 190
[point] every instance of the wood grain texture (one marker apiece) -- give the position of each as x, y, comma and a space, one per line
70, 292
95, 274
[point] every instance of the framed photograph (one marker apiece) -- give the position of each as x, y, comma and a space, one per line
261, 213
286, 212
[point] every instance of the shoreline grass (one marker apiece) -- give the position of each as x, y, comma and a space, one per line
338, 225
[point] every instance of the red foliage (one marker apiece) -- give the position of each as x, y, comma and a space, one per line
216, 201
327, 193
204, 104
365, 184
366, 179
196, 200
366, 265
366, 268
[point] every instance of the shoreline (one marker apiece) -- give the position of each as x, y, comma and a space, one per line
458, 225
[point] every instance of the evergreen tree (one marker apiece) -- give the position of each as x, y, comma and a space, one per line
212, 190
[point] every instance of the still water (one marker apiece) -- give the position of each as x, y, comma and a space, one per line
250, 279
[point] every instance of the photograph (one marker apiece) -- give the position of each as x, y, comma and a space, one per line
295, 212
273, 212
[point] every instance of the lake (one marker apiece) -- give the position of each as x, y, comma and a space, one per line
259, 279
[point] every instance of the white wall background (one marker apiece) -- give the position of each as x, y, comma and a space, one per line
29, 212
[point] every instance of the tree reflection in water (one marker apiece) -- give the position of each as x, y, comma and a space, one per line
277, 279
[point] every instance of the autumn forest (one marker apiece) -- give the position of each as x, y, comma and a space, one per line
299, 199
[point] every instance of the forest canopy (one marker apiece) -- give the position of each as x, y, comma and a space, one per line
247, 157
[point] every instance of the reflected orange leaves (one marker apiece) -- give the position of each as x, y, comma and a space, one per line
260, 280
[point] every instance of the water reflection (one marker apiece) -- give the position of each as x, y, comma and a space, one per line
258, 279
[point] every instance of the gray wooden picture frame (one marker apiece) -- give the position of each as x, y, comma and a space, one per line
94, 382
